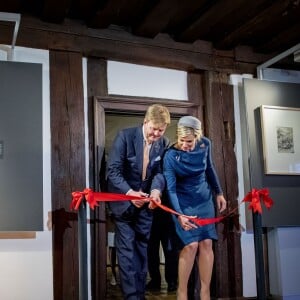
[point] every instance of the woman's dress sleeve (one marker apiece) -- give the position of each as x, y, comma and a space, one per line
169, 173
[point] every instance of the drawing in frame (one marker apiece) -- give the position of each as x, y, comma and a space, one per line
281, 139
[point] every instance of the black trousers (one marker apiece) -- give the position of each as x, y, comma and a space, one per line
163, 232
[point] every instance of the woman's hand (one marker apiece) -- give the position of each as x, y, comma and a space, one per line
155, 198
221, 203
185, 222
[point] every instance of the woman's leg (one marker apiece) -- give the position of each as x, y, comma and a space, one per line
205, 264
186, 261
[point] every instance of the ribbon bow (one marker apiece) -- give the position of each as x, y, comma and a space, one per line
255, 197
92, 198
78, 196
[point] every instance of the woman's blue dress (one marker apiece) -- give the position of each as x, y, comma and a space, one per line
191, 180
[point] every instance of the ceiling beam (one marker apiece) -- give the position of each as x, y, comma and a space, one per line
55, 10
265, 23
121, 46
157, 19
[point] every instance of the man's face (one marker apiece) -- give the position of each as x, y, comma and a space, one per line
153, 131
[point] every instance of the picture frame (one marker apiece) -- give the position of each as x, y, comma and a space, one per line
280, 139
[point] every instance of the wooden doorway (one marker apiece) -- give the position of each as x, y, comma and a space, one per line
110, 115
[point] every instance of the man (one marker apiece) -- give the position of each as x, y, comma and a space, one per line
134, 168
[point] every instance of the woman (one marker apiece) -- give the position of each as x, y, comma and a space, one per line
191, 182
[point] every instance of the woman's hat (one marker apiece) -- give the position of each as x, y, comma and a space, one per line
190, 121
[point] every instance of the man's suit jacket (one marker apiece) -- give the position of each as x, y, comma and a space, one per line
125, 163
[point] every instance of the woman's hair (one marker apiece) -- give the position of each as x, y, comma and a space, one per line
189, 125
158, 114
183, 131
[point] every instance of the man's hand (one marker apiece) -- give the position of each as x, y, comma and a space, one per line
140, 202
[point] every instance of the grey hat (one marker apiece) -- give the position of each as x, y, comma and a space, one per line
189, 121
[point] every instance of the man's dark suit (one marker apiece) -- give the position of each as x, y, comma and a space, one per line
124, 172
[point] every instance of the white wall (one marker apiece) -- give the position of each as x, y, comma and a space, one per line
137, 80
26, 264
247, 239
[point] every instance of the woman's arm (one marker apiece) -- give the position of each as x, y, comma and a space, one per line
170, 176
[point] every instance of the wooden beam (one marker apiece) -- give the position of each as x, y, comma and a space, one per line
259, 25
203, 25
118, 12
116, 44
17, 235
55, 10
131, 103
162, 12
219, 102
67, 167
97, 85
282, 39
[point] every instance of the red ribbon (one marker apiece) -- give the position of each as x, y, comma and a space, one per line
198, 221
255, 197
92, 198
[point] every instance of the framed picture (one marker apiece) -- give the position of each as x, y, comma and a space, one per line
281, 139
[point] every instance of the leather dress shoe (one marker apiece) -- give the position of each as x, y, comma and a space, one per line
172, 287
153, 286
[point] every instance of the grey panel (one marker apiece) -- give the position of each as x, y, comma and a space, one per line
284, 189
21, 152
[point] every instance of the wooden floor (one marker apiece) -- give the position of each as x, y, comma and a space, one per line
114, 292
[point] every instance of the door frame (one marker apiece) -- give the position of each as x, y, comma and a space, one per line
126, 105
117, 105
